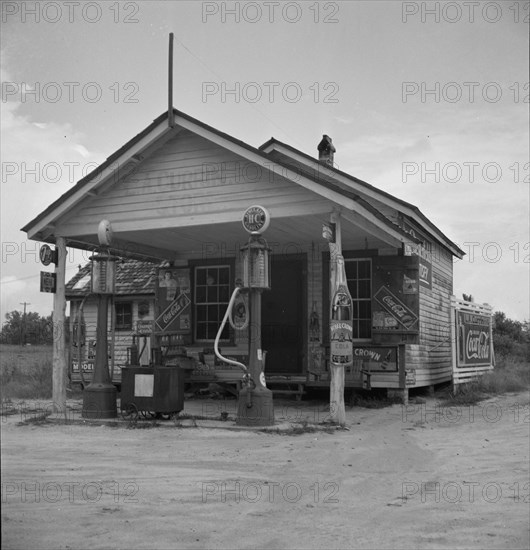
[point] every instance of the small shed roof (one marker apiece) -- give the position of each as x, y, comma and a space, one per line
133, 277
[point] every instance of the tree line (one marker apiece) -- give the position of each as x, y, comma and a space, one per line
30, 328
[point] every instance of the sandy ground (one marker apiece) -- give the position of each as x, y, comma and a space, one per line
420, 476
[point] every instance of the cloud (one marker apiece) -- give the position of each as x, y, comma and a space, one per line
41, 160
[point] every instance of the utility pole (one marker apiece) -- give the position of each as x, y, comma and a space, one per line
23, 325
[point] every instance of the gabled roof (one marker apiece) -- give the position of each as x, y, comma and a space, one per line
279, 150
331, 183
123, 150
132, 278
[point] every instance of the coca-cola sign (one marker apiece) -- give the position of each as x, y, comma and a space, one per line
173, 312
473, 339
399, 311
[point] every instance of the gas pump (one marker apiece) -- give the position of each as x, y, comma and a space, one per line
99, 397
255, 405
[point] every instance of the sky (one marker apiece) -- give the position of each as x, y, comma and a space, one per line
424, 100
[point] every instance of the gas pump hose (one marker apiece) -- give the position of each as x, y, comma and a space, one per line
216, 345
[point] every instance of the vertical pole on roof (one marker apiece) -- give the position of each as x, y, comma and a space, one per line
59, 371
171, 115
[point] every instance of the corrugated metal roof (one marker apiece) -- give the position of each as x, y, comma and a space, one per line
132, 277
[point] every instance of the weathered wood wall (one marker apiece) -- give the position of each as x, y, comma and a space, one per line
431, 357
122, 339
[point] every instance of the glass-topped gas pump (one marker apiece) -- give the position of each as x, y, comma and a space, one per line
255, 405
99, 397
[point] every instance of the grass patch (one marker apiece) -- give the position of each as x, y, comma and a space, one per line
512, 377
25, 372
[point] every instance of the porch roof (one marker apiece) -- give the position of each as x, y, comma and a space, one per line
367, 223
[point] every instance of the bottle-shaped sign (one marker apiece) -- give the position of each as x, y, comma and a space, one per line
341, 324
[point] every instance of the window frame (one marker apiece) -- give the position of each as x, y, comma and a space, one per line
357, 299
125, 326
211, 264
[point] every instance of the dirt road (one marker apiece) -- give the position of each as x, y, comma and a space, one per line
419, 476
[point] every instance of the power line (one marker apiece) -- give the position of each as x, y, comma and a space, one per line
23, 325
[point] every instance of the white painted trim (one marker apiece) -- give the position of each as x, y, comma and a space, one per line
191, 220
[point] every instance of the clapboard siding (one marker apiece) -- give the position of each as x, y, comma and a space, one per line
122, 338
190, 176
385, 380
189, 205
431, 358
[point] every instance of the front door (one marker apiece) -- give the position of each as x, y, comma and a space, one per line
282, 317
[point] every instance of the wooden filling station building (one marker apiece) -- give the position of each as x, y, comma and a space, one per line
175, 195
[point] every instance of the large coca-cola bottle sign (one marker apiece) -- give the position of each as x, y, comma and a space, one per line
341, 341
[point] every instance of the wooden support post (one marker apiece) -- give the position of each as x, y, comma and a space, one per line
59, 374
337, 408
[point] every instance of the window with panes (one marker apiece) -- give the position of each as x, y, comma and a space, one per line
212, 294
359, 276
124, 315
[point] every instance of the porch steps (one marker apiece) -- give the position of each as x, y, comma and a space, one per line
284, 386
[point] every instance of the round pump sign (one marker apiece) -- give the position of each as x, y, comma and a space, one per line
256, 219
46, 255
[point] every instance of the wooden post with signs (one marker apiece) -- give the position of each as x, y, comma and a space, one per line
59, 373
336, 398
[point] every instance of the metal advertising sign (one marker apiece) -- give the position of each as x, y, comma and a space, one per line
256, 219
418, 249
144, 327
88, 366
48, 282
239, 317
425, 273
473, 339
47, 255
381, 359
171, 317
410, 285
396, 308
341, 342
173, 300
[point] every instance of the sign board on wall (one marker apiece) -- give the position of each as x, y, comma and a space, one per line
403, 315
341, 342
395, 294
419, 250
144, 327
425, 273
47, 255
473, 339
173, 297
424, 263
378, 358
48, 282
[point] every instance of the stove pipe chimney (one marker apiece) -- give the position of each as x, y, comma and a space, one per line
326, 150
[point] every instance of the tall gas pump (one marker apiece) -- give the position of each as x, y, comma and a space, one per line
255, 405
99, 397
